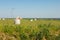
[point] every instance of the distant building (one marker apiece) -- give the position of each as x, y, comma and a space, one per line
3, 18
0, 18
17, 20
31, 20
35, 19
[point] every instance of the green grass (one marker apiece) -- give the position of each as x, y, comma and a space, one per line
27, 30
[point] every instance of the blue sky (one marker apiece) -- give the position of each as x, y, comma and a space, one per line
30, 8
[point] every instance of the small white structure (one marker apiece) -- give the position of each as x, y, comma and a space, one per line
0, 18
35, 19
3, 18
17, 20
31, 20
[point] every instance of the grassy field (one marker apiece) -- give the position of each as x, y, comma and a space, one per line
41, 29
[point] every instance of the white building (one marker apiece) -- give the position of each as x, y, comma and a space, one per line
0, 18
35, 19
31, 20
3, 18
17, 20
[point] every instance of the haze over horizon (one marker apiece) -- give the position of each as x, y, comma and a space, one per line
30, 8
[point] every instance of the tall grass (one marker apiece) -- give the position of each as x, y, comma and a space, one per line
27, 30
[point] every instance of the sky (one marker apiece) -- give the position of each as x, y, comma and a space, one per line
30, 8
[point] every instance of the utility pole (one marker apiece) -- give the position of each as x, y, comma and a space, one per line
12, 12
